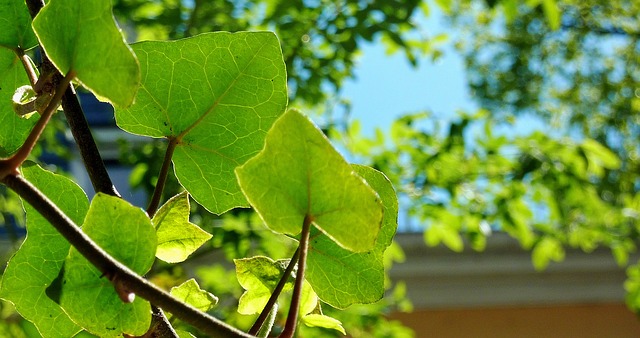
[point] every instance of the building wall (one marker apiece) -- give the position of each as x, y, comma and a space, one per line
498, 293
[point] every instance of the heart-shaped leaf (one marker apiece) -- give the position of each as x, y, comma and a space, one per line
361, 275
126, 233
82, 36
37, 264
177, 237
216, 94
299, 174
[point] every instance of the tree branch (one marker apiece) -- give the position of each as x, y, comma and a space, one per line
292, 317
113, 269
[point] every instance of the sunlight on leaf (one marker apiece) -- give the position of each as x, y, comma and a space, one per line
299, 173
318, 320
83, 37
177, 237
126, 233
361, 275
258, 276
217, 94
40, 258
190, 292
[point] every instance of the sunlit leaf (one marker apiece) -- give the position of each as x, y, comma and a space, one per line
33, 268
318, 320
177, 237
82, 36
361, 275
299, 173
126, 233
217, 94
190, 292
258, 276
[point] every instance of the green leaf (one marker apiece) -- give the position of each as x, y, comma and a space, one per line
126, 233
599, 155
361, 275
299, 173
552, 13
13, 128
177, 237
82, 36
15, 25
547, 250
217, 94
318, 320
190, 292
41, 256
258, 276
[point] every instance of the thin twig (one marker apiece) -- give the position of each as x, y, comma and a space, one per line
162, 177
111, 268
292, 317
275, 294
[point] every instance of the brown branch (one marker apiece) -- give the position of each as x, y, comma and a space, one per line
292, 317
111, 268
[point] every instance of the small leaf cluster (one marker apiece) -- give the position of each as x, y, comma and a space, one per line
219, 100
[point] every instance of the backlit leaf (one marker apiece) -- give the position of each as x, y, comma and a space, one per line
177, 237
299, 173
40, 258
126, 233
361, 275
258, 276
82, 36
217, 94
318, 320
190, 292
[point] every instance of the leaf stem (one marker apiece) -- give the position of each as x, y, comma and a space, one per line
10, 165
28, 67
162, 178
292, 317
111, 268
275, 294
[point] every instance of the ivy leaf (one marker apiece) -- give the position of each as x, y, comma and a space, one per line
13, 128
126, 233
15, 25
190, 292
216, 94
41, 256
258, 276
319, 320
83, 37
361, 275
299, 173
177, 237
